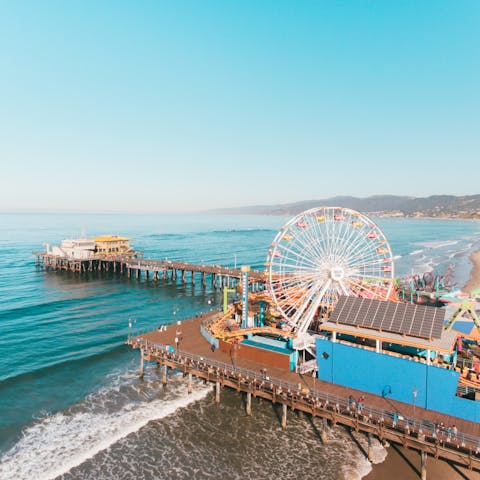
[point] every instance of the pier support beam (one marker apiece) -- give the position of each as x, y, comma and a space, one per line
423, 467
284, 416
248, 405
189, 384
323, 433
141, 363
370, 448
164, 375
217, 392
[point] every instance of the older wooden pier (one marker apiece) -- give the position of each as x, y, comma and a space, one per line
135, 266
183, 347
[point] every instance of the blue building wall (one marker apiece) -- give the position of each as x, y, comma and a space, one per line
394, 378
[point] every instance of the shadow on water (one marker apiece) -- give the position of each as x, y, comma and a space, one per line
357, 443
407, 461
458, 471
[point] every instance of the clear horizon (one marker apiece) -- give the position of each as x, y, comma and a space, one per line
182, 107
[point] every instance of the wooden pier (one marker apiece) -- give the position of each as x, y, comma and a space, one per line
135, 266
183, 347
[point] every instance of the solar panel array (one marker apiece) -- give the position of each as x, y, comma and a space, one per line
404, 318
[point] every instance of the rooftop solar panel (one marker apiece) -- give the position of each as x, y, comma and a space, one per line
406, 319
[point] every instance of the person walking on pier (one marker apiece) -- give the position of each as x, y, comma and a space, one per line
360, 404
351, 403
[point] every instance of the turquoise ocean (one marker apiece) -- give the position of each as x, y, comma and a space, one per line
71, 403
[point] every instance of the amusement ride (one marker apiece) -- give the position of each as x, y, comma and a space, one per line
323, 253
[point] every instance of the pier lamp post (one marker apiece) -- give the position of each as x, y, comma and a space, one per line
235, 260
414, 393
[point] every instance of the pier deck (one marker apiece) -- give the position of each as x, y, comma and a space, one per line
135, 265
388, 419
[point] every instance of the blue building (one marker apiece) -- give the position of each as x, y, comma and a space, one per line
395, 350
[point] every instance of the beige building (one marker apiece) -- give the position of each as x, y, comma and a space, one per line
112, 245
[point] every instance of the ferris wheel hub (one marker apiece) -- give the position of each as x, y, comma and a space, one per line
337, 273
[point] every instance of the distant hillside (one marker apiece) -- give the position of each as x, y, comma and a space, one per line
443, 206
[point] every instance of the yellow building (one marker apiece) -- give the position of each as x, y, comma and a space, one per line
112, 245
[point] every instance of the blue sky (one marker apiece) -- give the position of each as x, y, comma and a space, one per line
169, 106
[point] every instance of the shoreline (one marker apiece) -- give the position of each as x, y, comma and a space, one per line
474, 281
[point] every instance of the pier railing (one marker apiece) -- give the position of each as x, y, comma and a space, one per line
414, 428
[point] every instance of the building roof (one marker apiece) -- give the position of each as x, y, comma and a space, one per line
110, 238
464, 326
391, 322
444, 344
394, 317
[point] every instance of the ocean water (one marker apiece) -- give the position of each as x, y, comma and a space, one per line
71, 403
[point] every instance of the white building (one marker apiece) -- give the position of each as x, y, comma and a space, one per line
77, 248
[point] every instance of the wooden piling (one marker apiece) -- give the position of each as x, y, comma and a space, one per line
370, 448
423, 456
323, 432
189, 383
217, 392
141, 362
284, 416
164, 375
248, 405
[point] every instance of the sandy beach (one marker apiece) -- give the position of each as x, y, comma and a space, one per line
474, 281
404, 464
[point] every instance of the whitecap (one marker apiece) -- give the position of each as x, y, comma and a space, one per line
56, 443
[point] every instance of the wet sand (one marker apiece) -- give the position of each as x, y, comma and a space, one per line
474, 281
404, 464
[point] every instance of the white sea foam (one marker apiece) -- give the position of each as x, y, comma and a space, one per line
416, 252
59, 442
439, 243
363, 466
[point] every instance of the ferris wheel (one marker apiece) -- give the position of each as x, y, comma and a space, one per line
321, 254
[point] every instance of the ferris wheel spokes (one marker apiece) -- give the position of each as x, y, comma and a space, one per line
323, 253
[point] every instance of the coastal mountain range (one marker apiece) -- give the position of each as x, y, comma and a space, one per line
441, 206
